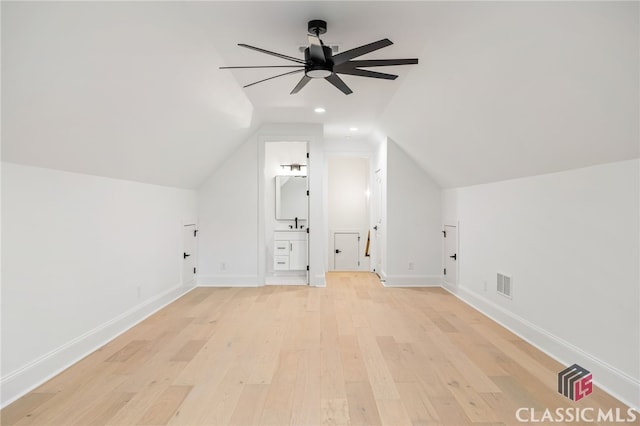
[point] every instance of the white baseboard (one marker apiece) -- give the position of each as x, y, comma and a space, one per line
229, 281
452, 288
613, 381
249, 281
21, 381
319, 280
412, 281
286, 280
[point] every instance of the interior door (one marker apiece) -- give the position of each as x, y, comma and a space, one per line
189, 234
378, 223
450, 254
346, 247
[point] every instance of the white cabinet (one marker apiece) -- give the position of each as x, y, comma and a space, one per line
290, 251
298, 255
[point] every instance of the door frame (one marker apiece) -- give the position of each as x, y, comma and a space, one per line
262, 140
329, 258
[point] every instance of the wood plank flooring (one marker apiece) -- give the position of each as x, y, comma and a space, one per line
354, 353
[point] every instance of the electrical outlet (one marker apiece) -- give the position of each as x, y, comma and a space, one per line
411, 266
139, 291
484, 285
223, 266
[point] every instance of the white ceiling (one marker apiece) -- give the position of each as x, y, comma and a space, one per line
132, 90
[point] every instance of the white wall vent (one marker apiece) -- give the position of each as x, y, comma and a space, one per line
504, 285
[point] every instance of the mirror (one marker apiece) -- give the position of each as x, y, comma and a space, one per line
291, 197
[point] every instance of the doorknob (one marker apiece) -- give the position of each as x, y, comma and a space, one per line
454, 257
338, 251
185, 255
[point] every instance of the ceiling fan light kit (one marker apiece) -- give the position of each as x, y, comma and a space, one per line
320, 62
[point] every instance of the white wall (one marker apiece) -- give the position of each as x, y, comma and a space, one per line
232, 214
570, 241
413, 231
228, 221
348, 202
83, 258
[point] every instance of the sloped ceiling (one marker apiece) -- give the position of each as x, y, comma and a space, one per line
511, 89
132, 90
129, 90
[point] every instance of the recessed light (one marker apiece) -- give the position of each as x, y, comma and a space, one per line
353, 129
319, 110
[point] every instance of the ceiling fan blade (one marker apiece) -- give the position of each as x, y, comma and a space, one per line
271, 78
315, 49
380, 62
262, 66
268, 52
341, 85
343, 57
366, 73
303, 82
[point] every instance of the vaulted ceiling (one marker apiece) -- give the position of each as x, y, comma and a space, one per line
133, 90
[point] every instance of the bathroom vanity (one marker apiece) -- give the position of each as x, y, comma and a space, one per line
290, 250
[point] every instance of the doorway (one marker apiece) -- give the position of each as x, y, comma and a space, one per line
348, 213
286, 212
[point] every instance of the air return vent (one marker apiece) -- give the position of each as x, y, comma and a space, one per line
504, 285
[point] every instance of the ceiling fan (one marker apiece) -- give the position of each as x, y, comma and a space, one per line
319, 61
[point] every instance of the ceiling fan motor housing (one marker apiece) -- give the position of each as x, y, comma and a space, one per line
317, 27
315, 69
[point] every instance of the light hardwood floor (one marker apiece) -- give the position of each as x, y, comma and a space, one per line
352, 353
